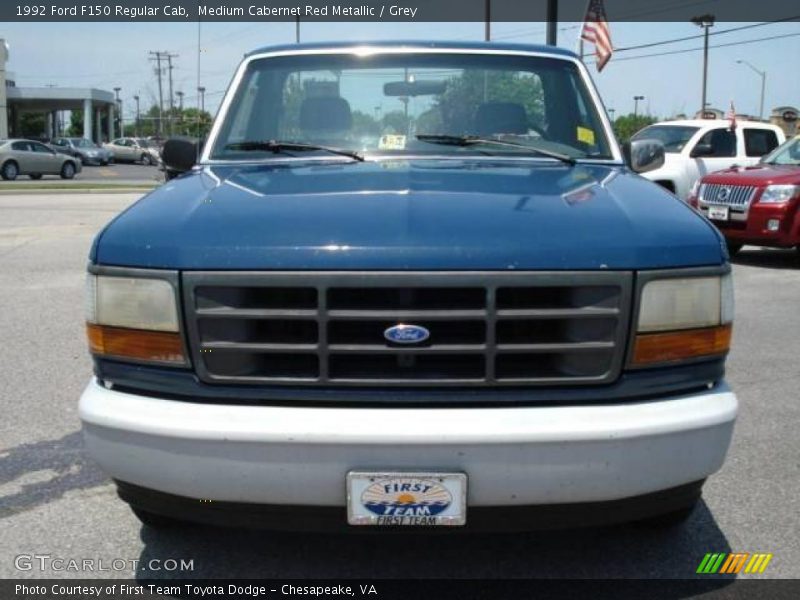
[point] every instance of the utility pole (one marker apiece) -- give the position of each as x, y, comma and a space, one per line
118, 106
552, 22
136, 126
179, 94
763, 75
297, 30
636, 105
202, 91
160, 128
487, 33
706, 22
171, 97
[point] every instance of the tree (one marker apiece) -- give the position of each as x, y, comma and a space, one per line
32, 124
457, 104
75, 128
626, 125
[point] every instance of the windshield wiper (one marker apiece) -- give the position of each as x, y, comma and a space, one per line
277, 147
473, 140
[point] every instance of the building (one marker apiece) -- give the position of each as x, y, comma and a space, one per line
785, 117
98, 106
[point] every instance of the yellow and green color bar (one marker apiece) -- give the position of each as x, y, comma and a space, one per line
722, 562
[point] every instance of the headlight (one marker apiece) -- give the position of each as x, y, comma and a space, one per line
776, 194
681, 318
134, 318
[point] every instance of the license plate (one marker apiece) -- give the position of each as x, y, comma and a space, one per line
718, 213
387, 499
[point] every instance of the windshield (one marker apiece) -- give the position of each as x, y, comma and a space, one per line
82, 143
786, 154
380, 104
143, 143
673, 137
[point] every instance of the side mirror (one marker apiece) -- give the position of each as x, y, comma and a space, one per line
179, 155
643, 155
702, 150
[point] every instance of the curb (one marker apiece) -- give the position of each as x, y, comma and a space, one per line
40, 191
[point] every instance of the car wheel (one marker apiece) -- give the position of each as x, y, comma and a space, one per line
147, 159
733, 247
10, 171
154, 520
68, 171
35, 175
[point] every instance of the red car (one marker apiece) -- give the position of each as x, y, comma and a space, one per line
757, 205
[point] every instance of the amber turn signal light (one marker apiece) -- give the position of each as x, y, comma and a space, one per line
136, 344
653, 348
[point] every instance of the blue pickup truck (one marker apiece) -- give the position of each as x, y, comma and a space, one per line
409, 285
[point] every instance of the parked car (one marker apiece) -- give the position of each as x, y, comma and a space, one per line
34, 159
458, 323
129, 149
757, 205
697, 147
86, 150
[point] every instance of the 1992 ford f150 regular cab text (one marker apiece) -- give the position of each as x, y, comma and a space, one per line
409, 284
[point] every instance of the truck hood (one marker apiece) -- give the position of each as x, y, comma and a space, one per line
409, 214
758, 175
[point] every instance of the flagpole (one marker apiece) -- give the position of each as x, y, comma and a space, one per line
580, 31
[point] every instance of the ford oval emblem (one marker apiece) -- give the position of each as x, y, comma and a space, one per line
406, 334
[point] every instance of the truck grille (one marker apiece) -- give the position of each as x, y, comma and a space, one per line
735, 196
486, 328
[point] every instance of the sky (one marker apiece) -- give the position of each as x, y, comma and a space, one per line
108, 55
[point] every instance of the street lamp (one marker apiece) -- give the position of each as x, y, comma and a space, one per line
118, 106
705, 22
136, 126
763, 75
636, 105
202, 91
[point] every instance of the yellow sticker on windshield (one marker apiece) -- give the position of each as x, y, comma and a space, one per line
392, 142
585, 135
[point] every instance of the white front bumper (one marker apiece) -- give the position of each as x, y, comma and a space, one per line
512, 456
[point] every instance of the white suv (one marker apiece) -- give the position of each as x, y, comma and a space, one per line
694, 148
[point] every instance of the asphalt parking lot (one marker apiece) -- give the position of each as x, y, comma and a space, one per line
117, 173
54, 501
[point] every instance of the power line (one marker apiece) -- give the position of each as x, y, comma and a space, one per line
694, 37
743, 42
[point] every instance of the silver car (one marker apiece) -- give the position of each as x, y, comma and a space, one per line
86, 150
133, 150
34, 159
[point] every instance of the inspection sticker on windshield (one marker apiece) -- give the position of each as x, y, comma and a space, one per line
392, 142
586, 135
406, 499
718, 213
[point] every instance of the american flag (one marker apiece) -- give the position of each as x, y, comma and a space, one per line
595, 31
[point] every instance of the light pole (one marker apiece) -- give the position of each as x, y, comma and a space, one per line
202, 91
118, 106
636, 105
136, 126
763, 75
706, 22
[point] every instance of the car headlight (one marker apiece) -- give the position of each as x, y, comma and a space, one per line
776, 194
683, 318
133, 318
